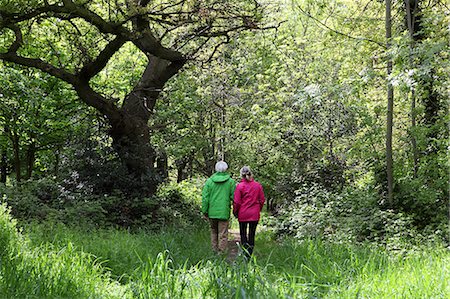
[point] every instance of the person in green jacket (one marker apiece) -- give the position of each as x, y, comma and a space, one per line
217, 196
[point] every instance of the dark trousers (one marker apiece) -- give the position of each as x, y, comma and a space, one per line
248, 239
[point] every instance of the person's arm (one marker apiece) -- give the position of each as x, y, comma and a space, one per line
237, 201
261, 196
205, 199
233, 188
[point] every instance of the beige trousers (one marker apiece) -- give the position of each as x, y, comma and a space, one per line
219, 235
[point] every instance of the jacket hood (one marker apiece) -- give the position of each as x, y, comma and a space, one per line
220, 177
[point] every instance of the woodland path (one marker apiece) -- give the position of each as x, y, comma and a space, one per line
233, 249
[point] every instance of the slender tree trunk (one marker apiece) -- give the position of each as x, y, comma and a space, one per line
410, 13
31, 158
390, 110
432, 105
221, 145
413, 139
16, 153
162, 166
427, 94
181, 169
3, 166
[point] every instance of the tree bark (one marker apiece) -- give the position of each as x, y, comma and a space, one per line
181, 169
31, 158
162, 166
3, 166
390, 109
428, 94
185, 167
131, 140
16, 152
411, 7
210, 155
415, 150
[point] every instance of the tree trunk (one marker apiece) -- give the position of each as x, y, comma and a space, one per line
31, 157
3, 166
185, 167
129, 124
162, 166
131, 140
16, 152
427, 94
390, 109
411, 7
181, 169
430, 101
210, 156
415, 150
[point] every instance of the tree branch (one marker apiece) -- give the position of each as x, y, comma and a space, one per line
148, 44
41, 65
338, 32
94, 99
157, 73
19, 38
144, 39
91, 69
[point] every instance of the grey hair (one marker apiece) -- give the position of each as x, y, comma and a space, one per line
246, 172
221, 166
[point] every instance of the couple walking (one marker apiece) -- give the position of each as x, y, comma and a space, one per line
247, 197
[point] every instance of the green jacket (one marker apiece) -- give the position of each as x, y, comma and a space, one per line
217, 196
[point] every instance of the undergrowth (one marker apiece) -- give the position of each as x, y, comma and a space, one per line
58, 261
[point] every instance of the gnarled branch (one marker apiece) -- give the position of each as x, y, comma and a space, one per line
91, 69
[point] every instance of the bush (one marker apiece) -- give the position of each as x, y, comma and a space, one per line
32, 199
427, 205
352, 215
178, 204
49, 200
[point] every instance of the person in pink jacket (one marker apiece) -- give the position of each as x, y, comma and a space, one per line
248, 202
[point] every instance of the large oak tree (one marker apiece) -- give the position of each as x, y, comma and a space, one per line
74, 40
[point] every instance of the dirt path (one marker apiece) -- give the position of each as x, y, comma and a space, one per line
233, 249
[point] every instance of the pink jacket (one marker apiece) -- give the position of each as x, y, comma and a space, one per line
248, 200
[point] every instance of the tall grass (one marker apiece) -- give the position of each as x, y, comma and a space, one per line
208, 279
43, 272
419, 275
121, 251
65, 262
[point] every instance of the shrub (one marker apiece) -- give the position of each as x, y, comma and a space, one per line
178, 204
352, 214
47, 199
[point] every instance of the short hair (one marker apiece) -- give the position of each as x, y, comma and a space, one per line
246, 172
221, 166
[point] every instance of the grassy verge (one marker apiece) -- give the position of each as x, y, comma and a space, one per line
28, 271
180, 264
61, 262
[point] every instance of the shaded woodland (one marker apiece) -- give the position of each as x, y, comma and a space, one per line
341, 107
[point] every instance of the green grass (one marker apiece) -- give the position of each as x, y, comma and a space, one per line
62, 262
46, 271
420, 275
